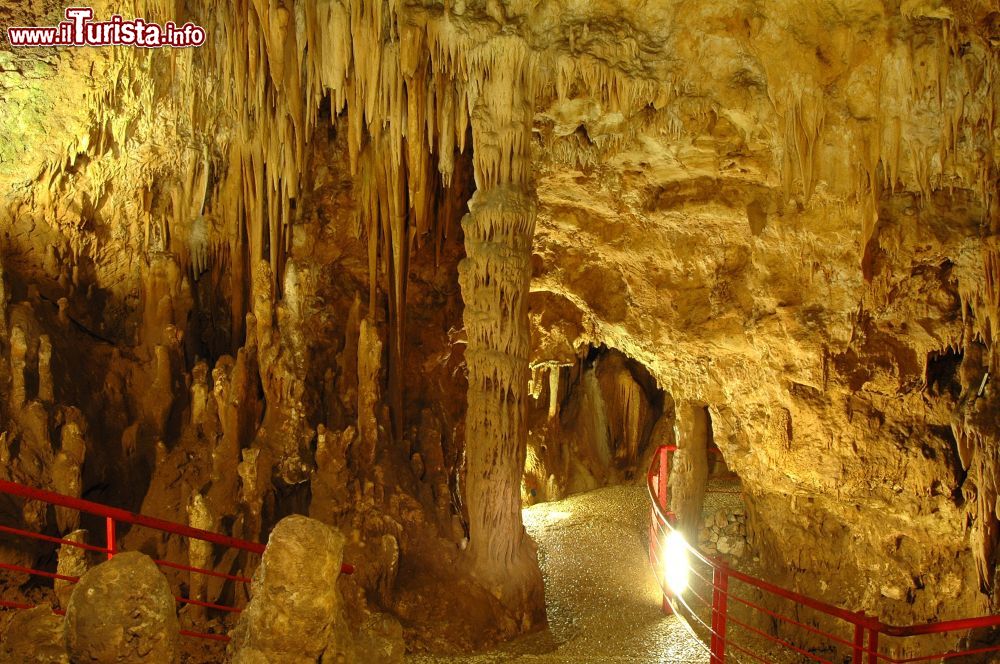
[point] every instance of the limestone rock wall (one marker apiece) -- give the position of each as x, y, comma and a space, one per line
593, 423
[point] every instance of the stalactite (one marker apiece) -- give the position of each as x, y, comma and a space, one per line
405, 85
803, 111
554, 374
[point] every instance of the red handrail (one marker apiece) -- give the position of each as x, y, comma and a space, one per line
113, 516
124, 516
662, 521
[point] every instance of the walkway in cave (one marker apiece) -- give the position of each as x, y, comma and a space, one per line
603, 602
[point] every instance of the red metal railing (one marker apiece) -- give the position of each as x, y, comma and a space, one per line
112, 518
743, 618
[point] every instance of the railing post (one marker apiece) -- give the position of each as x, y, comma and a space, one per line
667, 607
720, 605
859, 641
112, 544
652, 534
655, 528
873, 646
662, 478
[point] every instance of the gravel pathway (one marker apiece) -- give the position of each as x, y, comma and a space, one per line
602, 600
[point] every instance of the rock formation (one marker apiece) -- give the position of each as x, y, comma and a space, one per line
35, 635
123, 611
72, 563
405, 267
295, 597
495, 276
689, 468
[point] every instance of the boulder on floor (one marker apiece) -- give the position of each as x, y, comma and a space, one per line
123, 611
295, 603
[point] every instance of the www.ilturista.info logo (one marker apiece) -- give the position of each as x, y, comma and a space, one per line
79, 29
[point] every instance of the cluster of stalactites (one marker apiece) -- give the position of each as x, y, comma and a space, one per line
245, 105
934, 119
411, 95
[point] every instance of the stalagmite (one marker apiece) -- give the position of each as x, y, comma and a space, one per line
199, 391
72, 561
63, 305
199, 552
237, 407
67, 468
251, 495
331, 476
369, 379
160, 399
45, 387
18, 351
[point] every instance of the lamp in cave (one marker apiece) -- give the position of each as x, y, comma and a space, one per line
675, 562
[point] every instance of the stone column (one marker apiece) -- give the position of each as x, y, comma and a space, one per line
689, 470
495, 276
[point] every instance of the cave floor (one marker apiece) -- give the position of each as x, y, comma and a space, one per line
602, 600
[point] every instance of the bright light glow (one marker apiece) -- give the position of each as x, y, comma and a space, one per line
675, 562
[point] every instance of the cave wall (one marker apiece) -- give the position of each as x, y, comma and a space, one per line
785, 211
794, 249
592, 424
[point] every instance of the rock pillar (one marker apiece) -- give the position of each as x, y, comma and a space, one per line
689, 471
494, 277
